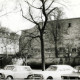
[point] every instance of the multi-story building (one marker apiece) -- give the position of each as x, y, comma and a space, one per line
68, 39
9, 42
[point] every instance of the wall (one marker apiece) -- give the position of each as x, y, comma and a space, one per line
9, 43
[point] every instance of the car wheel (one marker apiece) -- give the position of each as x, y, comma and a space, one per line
29, 77
50, 78
9, 78
0, 76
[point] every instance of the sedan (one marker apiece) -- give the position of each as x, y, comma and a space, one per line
15, 72
77, 68
52, 72
75, 75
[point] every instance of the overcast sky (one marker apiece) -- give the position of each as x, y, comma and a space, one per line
16, 22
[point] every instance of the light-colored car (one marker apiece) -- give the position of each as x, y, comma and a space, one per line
73, 76
77, 68
53, 72
14, 72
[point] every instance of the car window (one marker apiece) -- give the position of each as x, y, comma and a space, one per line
52, 68
65, 69
9, 67
23, 69
61, 69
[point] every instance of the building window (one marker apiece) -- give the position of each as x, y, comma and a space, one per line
69, 25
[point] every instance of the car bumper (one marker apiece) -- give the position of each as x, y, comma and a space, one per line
70, 77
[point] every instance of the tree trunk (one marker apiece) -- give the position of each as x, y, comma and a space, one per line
6, 51
42, 52
56, 51
55, 38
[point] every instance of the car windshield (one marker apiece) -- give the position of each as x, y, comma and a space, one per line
9, 68
64, 69
51, 68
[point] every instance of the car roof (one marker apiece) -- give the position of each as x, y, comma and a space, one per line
61, 66
18, 65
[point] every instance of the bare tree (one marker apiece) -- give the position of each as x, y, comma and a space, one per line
26, 41
5, 41
44, 9
55, 29
8, 40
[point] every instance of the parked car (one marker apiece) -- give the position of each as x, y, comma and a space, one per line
75, 75
52, 72
13, 71
72, 76
77, 68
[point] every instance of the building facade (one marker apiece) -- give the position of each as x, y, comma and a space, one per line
9, 42
68, 39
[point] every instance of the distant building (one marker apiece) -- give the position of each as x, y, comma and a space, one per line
9, 42
68, 43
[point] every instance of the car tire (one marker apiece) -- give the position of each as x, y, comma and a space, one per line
9, 78
50, 78
29, 77
0, 75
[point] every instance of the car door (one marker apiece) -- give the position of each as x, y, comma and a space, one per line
20, 73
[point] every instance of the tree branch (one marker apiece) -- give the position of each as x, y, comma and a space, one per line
24, 16
32, 36
51, 11
50, 5
32, 5
45, 15
33, 21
